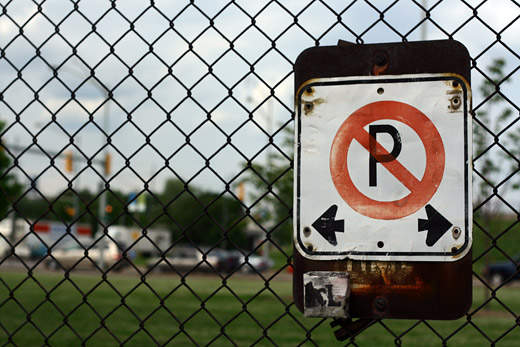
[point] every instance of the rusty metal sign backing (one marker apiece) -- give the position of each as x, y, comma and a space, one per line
439, 288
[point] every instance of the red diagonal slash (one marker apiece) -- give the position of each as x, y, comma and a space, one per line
394, 166
421, 191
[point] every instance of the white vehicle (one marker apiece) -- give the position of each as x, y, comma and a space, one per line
75, 256
32, 240
20, 249
184, 259
255, 263
155, 242
8, 239
46, 234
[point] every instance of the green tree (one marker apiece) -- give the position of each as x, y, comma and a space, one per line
496, 151
495, 145
272, 190
198, 216
9, 186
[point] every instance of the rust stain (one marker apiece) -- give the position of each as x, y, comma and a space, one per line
453, 92
309, 91
455, 102
309, 246
459, 255
380, 64
380, 272
309, 105
454, 86
418, 285
379, 70
304, 86
383, 269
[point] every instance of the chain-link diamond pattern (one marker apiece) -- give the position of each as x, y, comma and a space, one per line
175, 118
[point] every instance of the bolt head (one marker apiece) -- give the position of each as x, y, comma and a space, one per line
380, 59
380, 304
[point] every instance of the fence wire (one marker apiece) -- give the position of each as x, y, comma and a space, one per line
146, 168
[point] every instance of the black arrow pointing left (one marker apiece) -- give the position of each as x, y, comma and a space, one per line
328, 226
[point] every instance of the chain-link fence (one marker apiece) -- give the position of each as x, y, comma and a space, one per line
146, 168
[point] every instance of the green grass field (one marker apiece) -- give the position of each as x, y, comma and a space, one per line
51, 309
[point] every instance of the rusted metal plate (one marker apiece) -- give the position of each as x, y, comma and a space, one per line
389, 289
412, 290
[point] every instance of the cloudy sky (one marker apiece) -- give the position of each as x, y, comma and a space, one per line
186, 93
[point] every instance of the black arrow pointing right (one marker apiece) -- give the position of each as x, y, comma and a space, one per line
436, 225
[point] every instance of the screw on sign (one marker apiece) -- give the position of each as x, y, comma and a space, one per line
382, 205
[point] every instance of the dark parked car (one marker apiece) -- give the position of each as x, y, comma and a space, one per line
227, 261
498, 272
184, 259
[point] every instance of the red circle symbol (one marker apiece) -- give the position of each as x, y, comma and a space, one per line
421, 191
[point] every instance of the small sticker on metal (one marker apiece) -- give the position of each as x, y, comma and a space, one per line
326, 294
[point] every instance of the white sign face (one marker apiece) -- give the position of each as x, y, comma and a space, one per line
384, 168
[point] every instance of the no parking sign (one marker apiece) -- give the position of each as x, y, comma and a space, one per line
382, 198
384, 168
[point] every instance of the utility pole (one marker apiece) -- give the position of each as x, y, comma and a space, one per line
268, 116
102, 225
424, 26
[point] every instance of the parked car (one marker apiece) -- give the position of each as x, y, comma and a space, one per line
155, 240
498, 272
184, 259
73, 255
255, 263
227, 261
21, 250
260, 263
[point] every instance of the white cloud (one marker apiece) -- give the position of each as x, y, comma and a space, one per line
170, 46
